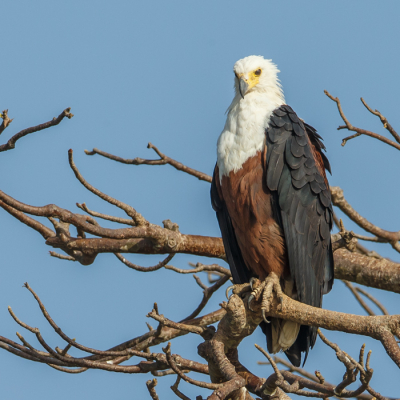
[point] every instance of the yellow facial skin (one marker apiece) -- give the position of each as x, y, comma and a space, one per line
253, 78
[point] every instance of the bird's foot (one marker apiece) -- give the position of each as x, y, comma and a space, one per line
239, 289
266, 290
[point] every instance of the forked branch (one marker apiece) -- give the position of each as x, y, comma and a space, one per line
385, 236
359, 131
11, 142
163, 160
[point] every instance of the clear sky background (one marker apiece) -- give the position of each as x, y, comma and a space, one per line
161, 71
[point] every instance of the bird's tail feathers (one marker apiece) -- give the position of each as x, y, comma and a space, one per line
284, 334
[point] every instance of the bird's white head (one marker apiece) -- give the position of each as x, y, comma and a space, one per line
256, 74
258, 93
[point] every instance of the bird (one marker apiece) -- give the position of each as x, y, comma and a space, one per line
272, 200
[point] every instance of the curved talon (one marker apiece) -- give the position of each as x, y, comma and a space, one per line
249, 300
252, 280
228, 289
264, 317
280, 303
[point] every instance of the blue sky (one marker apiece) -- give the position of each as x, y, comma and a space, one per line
160, 71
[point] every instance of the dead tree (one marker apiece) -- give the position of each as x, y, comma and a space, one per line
223, 329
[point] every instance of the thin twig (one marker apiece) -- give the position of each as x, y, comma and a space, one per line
176, 325
55, 121
162, 161
291, 368
171, 362
136, 217
340, 353
207, 293
105, 216
200, 283
29, 346
271, 361
384, 121
129, 264
359, 298
199, 267
175, 389
151, 386
61, 256
373, 299
369, 238
68, 370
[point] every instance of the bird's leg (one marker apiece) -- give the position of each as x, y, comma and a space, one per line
272, 285
266, 288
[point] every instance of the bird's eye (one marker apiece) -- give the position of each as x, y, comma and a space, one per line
258, 72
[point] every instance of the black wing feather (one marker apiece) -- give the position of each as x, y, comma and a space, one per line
316, 140
306, 212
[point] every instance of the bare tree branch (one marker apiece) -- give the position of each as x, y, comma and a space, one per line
199, 267
373, 299
162, 161
171, 361
359, 298
11, 142
176, 325
104, 216
384, 121
339, 201
61, 256
130, 211
32, 223
136, 267
229, 378
151, 386
353, 267
367, 271
175, 389
359, 131
207, 293
318, 378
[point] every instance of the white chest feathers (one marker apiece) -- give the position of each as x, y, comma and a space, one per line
244, 132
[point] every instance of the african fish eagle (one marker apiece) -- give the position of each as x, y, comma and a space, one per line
272, 200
